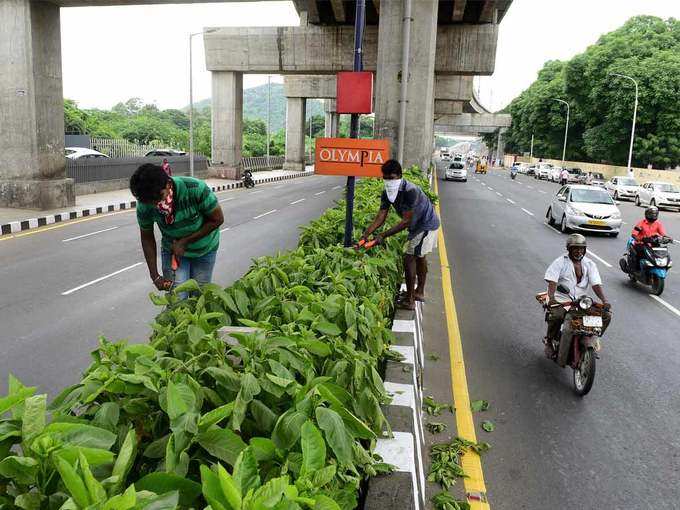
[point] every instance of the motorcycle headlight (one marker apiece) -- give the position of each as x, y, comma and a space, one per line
585, 303
662, 261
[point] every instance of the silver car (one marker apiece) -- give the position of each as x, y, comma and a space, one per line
661, 194
622, 187
456, 172
585, 209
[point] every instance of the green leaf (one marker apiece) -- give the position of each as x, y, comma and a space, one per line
327, 328
163, 483
125, 459
180, 400
479, 405
74, 484
288, 428
107, 416
78, 434
29, 501
264, 417
246, 474
488, 426
222, 444
242, 301
263, 448
215, 416
125, 501
188, 286
156, 450
316, 347
325, 503
167, 501
33, 419
20, 469
323, 476
94, 456
212, 490
336, 435
230, 489
94, 488
313, 449
195, 333
270, 493
11, 400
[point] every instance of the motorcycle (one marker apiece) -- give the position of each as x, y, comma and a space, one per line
248, 181
513, 173
653, 266
586, 325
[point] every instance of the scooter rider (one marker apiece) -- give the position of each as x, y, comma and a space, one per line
649, 227
576, 272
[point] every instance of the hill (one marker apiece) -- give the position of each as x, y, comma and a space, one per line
255, 105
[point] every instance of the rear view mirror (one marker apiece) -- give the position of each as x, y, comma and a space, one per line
561, 288
562, 199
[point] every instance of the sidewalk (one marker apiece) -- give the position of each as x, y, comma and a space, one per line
17, 220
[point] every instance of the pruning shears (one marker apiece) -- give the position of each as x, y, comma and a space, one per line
366, 245
174, 265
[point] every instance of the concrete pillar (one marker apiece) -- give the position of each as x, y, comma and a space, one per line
419, 128
332, 119
227, 119
295, 134
500, 146
32, 162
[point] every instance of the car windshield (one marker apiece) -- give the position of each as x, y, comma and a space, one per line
667, 188
628, 181
590, 196
456, 166
598, 176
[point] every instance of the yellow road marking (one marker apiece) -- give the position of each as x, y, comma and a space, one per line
471, 463
61, 224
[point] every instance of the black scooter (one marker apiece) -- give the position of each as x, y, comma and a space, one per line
653, 265
248, 181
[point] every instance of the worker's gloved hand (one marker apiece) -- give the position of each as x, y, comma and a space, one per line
162, 283
179, 246
378, 240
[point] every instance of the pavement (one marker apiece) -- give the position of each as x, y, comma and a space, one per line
64, 285
618, 447
108, 198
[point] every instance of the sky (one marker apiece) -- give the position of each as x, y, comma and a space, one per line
111, 54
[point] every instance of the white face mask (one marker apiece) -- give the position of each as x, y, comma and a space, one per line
392, 188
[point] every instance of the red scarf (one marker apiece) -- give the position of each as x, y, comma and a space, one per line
167, 208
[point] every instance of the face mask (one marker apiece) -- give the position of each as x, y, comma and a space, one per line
392, 188
165, 207
576, 257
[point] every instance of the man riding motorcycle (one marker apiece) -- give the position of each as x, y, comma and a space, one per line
576, 272
649, 227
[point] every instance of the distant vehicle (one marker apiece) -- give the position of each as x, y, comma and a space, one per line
457, 158
82, 153
575, 176
164, 153
584, 208
521, 167
621, 187
543, 171
660, 194
596, 179
456, 172
555, 174
531, 170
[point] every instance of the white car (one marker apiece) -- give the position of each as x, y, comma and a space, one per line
621, 187
660, 194
555, 174
584, 208
456, 172
82, 153
543, 170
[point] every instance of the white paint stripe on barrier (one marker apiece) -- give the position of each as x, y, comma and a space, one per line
403, 326
33, 223
399, 452
407, 351
402, 394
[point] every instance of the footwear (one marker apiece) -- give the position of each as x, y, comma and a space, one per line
550, 353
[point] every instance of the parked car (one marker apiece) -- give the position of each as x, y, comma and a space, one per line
543, 171
82, 153
164, 153
531, 170
576, 176
555, 174
522, 168
584, 208
660, 194
596, 179
456, 172
621, 187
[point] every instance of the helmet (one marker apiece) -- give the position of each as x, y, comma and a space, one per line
652, 213
576, 241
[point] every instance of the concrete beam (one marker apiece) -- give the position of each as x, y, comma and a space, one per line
102, 3
338, 7
376, 4
442, 108
477, 120
487, 14
458, 10
313, 49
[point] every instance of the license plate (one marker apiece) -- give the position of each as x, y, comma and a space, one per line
592, 321
597, 222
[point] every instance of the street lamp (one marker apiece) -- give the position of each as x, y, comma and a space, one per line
632, 130
269, 100
191, 100
566, 129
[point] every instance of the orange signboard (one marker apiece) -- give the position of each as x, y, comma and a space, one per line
350, 156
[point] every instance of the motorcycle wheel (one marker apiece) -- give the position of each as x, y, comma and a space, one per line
584, 375
657, 285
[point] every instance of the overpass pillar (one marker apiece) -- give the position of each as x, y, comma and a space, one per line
295, 134
332, 120
420, 108
227, 118
32, 162
500, 145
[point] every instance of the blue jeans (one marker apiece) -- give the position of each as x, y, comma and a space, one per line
199, 268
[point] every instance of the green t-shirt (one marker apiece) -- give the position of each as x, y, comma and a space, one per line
193, 200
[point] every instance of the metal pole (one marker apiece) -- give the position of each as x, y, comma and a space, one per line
531, 150
566, 129
310, 133
359, 24
632, 129
269, 100
403, 100
191, 108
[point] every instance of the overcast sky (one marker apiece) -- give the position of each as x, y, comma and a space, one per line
113, 53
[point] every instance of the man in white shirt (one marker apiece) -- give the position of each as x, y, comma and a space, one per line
577, 273
564, 176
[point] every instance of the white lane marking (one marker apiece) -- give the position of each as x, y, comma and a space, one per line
676, 241
666, 304
591, 252
511, 201
298, 201
253, 192
277, 187
320, 192
71, 291
490, 188
551, 229
528, 212
225, 229
88, 235
263, 214
499, 194
227, 199
530, 187
542, 191
337, 187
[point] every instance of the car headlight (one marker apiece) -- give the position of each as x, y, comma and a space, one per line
616, 215
585, 302
572, 210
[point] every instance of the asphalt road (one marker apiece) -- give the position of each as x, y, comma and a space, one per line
54, 303
619, 447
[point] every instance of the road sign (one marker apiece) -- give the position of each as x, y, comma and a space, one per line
350, 156
354, 92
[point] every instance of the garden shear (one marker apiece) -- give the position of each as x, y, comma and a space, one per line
366, 245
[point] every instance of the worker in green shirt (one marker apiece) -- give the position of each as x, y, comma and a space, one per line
187, 214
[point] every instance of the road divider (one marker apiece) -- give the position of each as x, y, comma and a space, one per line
88, 235
105, 277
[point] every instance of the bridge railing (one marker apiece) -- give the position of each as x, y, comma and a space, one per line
108, 169
262, 163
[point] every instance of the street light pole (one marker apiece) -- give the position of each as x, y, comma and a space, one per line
531, 150
632, 129
269, 100
566, 130
191, 101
